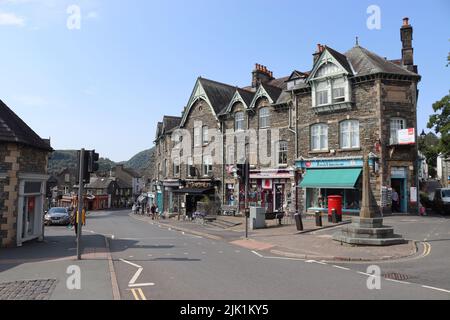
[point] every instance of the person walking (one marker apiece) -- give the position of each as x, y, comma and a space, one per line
395, 201
153, 211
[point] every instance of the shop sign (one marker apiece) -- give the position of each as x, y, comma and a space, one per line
332, 163
407, 136
413, 195
198, 185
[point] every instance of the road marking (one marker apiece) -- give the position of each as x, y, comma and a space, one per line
437, 289
258, 254
142, 294
137, 274
220, 252
318, 262
427, 249
366, 274
150, 284
135, 294
342, 268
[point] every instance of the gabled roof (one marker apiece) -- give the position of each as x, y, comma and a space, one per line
365, 62
99, 183
342, 59
240, 95
268, 91
218, 95
14, 129
279, 82
297, 75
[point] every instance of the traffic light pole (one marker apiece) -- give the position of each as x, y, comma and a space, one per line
247, 213
79, 221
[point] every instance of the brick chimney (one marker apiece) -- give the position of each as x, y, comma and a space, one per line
318, 52
406, 34
261, 75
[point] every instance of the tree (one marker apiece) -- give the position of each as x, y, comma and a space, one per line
440, 122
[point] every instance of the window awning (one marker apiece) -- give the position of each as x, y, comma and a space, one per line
331, 178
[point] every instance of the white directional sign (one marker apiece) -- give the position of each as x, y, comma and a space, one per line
407, 136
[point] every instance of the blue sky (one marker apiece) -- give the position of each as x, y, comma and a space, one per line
106, 85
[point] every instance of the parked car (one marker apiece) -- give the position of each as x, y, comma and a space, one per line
441, 201
57, 216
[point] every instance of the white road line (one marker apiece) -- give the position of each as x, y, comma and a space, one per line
318, 262
366, 274
130, 263
285, 258
342, 268
259, 255
437, 289
136, 276
136, 285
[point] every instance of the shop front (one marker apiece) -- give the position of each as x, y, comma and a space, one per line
269, 189
193, 192
322, 178
171, 199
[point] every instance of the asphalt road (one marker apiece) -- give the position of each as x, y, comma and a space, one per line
154, 263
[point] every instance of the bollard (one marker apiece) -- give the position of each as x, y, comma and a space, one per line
319, 219
298, 221
334, 218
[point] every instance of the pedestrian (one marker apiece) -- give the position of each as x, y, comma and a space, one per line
133, 208
153, 211
395, 201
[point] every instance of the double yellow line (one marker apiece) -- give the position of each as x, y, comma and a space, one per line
138, 294
426, 249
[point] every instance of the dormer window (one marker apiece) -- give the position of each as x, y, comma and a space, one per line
331, 90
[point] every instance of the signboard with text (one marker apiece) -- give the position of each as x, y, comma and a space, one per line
407, 136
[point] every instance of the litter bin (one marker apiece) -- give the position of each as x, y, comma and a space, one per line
298, 221
335, 202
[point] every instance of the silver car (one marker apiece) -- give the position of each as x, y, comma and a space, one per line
57, 216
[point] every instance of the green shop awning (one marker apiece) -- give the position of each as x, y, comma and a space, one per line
331, 178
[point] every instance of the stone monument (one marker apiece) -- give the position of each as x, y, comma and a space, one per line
368, 228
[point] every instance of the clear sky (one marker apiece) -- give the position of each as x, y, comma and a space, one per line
107, 84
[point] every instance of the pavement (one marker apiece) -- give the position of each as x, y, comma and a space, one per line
285, 240
42, 270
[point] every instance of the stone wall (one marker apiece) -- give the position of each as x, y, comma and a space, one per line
15, 159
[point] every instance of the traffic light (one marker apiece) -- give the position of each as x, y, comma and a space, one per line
93, 158
243, 171
90, 165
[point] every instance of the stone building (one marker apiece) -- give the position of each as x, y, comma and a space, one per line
353, 104
304, 135
258, 126
23, 175
130, 177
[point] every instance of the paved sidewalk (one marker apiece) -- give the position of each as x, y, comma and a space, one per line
38, 271
286, 240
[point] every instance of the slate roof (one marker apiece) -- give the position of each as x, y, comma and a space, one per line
14, 129
219, 94
170, 123
273, 92
99, 183
342, 59
365, 62
123, 184
130, 172
246, 95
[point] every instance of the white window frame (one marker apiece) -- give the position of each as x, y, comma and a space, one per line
396, 124
197, 137
239, 121
283, 148
207, 165
322, 132
349, 134
264, 117
205, 135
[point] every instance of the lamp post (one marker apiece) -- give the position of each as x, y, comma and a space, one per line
418, 167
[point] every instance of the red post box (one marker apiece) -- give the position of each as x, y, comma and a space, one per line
335, 202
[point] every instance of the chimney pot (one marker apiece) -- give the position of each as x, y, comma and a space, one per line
406, 21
